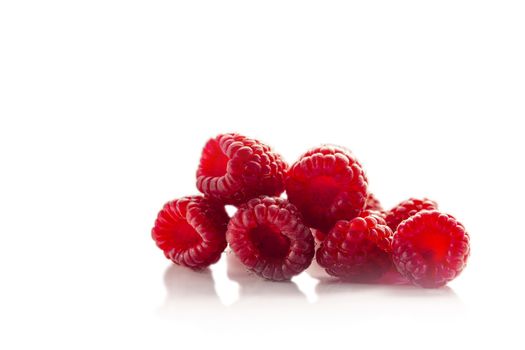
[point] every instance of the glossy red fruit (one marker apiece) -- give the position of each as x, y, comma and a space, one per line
234, 168
320, 236
327, 184
269, 237
357, 250
406, 209
430, 248
191, 231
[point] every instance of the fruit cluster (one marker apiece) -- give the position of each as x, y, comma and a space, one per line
327, 198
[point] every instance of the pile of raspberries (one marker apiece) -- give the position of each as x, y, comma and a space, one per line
329, 213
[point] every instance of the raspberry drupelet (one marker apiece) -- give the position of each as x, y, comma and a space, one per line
372, 203
430, 248
269, 237
191, 231
327, 184
234, 168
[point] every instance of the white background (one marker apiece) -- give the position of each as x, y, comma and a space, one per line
104, 108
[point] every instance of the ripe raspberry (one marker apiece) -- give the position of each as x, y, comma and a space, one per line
327, 184
357, 250
380, 215
320, 236
191, 231
234, 169
406, 209
430, 248
269, 237
372, 203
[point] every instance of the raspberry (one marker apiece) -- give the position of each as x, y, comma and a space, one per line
191, 231
320, 236
406, 209
327, 184
357, 250
234, 169
372, 203
379, 215
269, 237
430, 248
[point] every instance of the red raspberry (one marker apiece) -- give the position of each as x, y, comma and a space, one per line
191, 231
357, 250
380, 215
406, 209
327, 184
430, 248
320, 236
372, 203
269, 237
234, 169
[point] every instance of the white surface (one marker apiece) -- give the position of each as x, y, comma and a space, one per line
105, 105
